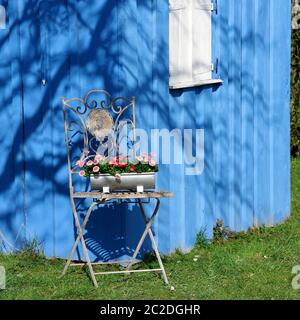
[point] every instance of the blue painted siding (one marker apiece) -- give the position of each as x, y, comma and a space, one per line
122, 46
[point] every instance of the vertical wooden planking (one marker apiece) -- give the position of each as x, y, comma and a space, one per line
47, 18
12, 213
128, 46
209, 168
103, 44
65, 232
234, 83
61, 83
261, 113
199, 185
220, 103
140, 24
122, 46
280, 117
98, 40
144, 46
161, 115
236, 27
247, 160
36, 139
74, 22
177, 178
190, 181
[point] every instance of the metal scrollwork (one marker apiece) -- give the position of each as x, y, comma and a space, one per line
100, 120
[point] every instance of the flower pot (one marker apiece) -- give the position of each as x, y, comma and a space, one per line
128, 181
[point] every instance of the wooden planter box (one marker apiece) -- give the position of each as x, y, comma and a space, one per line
128, 181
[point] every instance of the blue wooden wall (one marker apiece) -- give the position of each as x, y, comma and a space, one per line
122, 46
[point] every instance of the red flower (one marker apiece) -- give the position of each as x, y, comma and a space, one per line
122, 165
132, 168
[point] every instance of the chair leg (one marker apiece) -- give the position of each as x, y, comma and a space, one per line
85, 251
138, 248
80, 237
142, 239
150, 233
155, 248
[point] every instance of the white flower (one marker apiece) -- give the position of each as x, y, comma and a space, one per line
152, 163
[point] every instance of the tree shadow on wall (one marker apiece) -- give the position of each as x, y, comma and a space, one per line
80, 45
74, 47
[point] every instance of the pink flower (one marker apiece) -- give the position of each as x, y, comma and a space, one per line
90, 163
152, 163
118, 177
80, 163
132, 168
96, 161
96, 169
139, 158
98, 157
82, 173
144, 154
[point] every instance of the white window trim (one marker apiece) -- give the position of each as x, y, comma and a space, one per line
192, 84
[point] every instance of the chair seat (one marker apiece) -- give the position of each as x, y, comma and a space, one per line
122, 195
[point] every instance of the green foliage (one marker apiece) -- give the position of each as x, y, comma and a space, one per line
201, 240
253, 265
221, 232
113, 169
31, 249
295, 94
295, 128
295, 76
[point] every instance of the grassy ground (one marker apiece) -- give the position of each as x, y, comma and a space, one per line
257, 265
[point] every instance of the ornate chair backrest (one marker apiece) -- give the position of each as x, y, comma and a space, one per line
98, 124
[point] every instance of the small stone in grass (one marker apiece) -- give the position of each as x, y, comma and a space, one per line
172, 288
195, 259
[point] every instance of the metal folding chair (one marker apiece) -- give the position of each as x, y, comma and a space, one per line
84, 141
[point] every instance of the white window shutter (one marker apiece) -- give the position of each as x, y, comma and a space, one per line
190, 36
202, 40
180, 41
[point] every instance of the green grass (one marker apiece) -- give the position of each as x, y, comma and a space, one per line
256, 265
